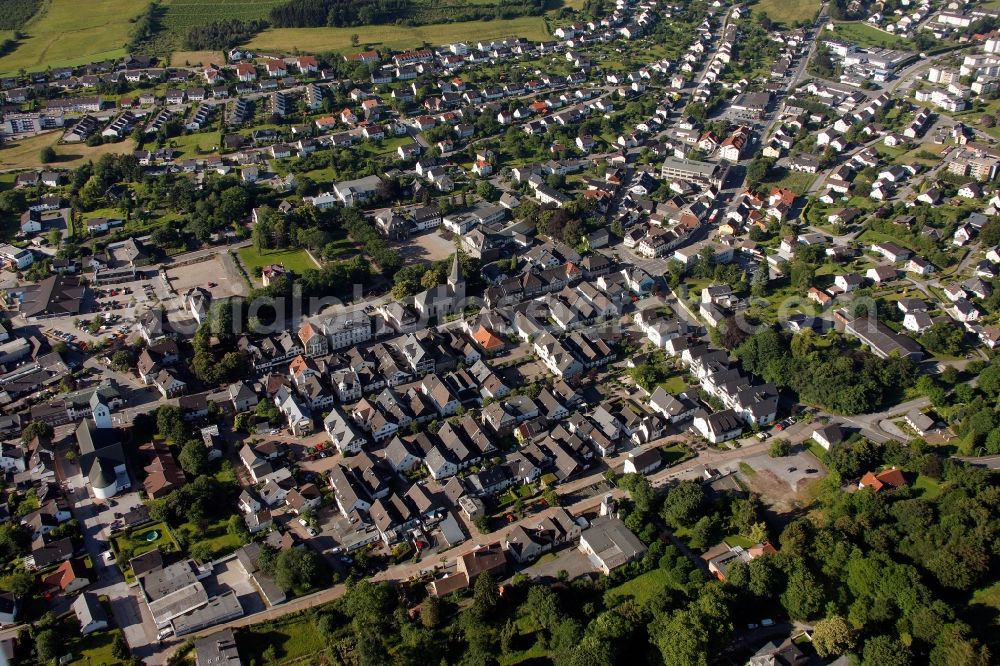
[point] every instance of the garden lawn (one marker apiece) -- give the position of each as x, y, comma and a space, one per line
215, 535
137, 543
295, 260
641, 588
293, 637
674, 454
737, 540
674, 385
93, 648
928, 488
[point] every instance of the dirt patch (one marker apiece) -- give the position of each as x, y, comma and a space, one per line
766, 483
425, 247
196, 58
219, 270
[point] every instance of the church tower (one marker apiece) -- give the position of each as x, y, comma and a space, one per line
456, 283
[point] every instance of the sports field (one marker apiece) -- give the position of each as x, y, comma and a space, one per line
314, 40
69, 32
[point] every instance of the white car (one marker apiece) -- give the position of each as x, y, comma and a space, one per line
312, 531
109, 557
303, 522
767, 622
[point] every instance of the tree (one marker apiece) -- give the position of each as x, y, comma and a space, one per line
759, 281
122, 361
170, 423
48, 644
47, 155
780, 448
885, 651
832, 637
431, 612
803, 597
683, 503
201, 551
19, 583
119, 648
682, 639
193, 458
355, 39
35, 429
543, 604
485, 596
298, 568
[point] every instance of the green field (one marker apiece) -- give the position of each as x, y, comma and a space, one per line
26, 153
296, 261
787, 12
397, 37
66, 33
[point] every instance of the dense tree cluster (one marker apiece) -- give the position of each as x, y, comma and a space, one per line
826, 371
345, 13
222, 34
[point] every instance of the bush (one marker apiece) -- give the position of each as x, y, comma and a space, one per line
779, 448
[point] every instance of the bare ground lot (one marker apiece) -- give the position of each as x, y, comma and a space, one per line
425, 247
219, 269
782, 480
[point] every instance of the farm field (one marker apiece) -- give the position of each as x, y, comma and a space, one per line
62, 34
25, 153
181, 15
788, 11
397, 37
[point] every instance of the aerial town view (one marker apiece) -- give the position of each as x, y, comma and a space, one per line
499, 332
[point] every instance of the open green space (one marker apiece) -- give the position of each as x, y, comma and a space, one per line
66, 32
215, 535
294, 637
928, 488
788, 12
295, 260
93, 648
864, 35
674, 385
192, 145
397, 37
641, 588
26, 153
796, 181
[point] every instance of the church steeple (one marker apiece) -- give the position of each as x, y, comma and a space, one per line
455, 277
